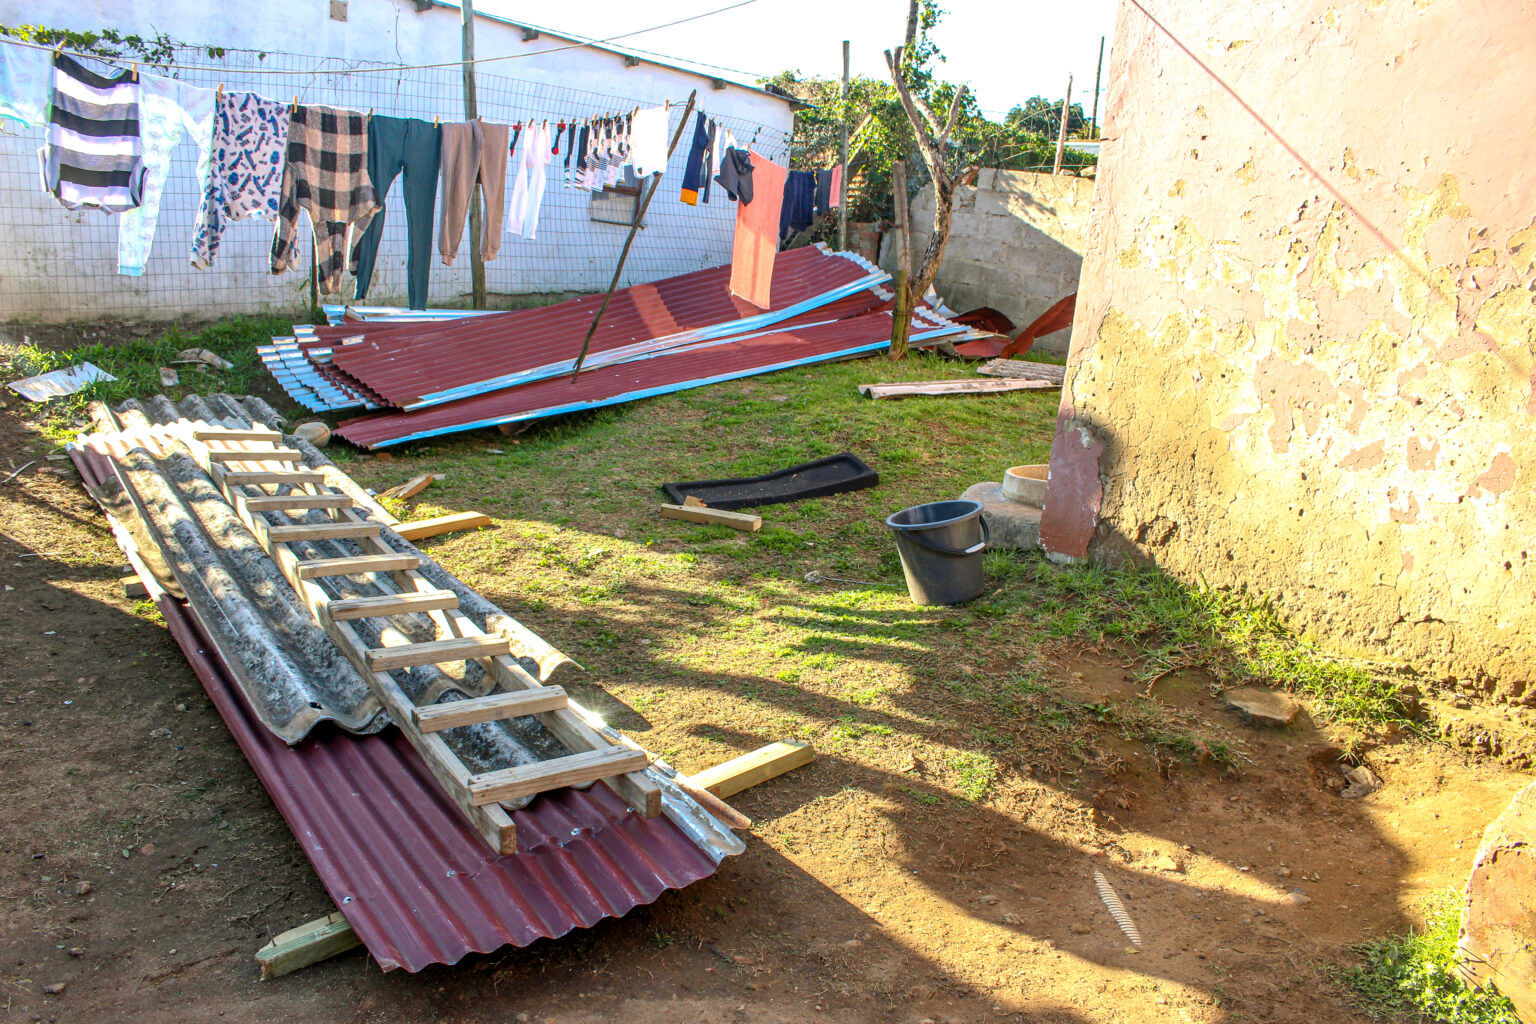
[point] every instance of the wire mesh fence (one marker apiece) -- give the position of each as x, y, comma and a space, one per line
60, 266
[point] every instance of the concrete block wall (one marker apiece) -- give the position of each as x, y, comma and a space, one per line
1016, 244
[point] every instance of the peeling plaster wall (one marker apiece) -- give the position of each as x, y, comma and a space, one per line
1308, 350
1016, 244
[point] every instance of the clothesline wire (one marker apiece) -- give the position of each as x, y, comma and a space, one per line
382, 69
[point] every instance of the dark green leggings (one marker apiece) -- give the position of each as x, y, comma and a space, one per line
411, 146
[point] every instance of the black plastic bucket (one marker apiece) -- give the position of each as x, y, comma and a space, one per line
941, 546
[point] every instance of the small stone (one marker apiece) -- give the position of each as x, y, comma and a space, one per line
1013, 919
778, 398
1299, 899
315, 432
521, 1018
146, 849
76, 951
1163, 862
54, 989
82, 888
1263, 707
1081, 929
1362, 782
1283, 871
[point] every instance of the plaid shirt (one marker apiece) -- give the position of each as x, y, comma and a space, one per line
327, 176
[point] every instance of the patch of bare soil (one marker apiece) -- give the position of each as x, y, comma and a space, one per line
141, 864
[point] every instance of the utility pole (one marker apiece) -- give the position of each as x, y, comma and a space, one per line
476, 199
842, 204
1097, 78
1061, 138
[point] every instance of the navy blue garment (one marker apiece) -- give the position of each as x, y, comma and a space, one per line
799, 208
693, 171
823, 192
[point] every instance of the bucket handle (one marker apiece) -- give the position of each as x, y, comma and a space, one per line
986, 537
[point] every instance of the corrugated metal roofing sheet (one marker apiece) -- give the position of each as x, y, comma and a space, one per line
693, 366
414, 365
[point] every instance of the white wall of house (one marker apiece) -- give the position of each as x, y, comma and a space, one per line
60, 266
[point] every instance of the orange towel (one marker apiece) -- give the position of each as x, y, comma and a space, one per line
757, 233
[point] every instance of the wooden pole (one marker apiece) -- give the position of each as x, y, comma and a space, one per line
476, 199
624, 253
1098, 77
902, 315
842, 205
1061, 138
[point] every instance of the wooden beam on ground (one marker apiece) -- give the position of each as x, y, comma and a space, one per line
392, 604
436, 652
713, 517
412, 487
424, 528
307, 944
953, 387
356, 565
493, 707
748, 770
134, 587
321, 531
571, 770
1023, 368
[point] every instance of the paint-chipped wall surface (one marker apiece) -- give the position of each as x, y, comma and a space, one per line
1306, 325
1016, 244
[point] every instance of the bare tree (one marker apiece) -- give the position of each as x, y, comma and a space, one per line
933, 138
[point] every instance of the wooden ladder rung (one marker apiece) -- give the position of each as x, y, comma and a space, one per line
267, 455
221, 434
391, 604
491, 708
321, 531
356, 565
571, 770
436, 652
283, 502
243, 477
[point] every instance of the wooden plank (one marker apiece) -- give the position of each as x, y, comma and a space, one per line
221, 434
242, 478
392, 604
713, 517
266, 455
493, 707
412, 487
760, 765
953, 387
307, 944
571, 770
355, 565
442, 524
1023, 368
435, 652
134, 587
284, 502
321, 531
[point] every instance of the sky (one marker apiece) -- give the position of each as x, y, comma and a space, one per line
1006, 50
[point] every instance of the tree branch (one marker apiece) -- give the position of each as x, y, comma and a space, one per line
924, 124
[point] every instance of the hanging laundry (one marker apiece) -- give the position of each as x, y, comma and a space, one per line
167, 109
411, 149
26, 84
823, 192
648, 141
327, 177
707, 164
245, 177
694, 168
570, 151
580, 180
528, 190
736, 174
473, 151
757, 233
837, 186
798, 211
93, 157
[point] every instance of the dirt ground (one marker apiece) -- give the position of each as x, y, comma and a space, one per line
141, 864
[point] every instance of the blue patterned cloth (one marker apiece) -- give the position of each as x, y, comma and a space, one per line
250, 140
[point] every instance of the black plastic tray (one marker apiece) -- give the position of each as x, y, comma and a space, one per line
833, 475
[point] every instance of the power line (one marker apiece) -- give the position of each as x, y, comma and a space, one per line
385, 68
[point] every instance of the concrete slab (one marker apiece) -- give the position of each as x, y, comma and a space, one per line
1012, 524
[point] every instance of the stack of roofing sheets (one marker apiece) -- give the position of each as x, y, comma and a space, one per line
436, 372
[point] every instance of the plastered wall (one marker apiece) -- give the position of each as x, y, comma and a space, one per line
1016, 243
1303, 356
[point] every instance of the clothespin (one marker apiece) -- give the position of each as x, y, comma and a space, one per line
370, 111
295, 109
219, 96
436, 120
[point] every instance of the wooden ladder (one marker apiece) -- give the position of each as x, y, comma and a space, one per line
243, 464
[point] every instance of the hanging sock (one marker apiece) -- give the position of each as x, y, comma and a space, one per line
245, 177
327, 177
93, 156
